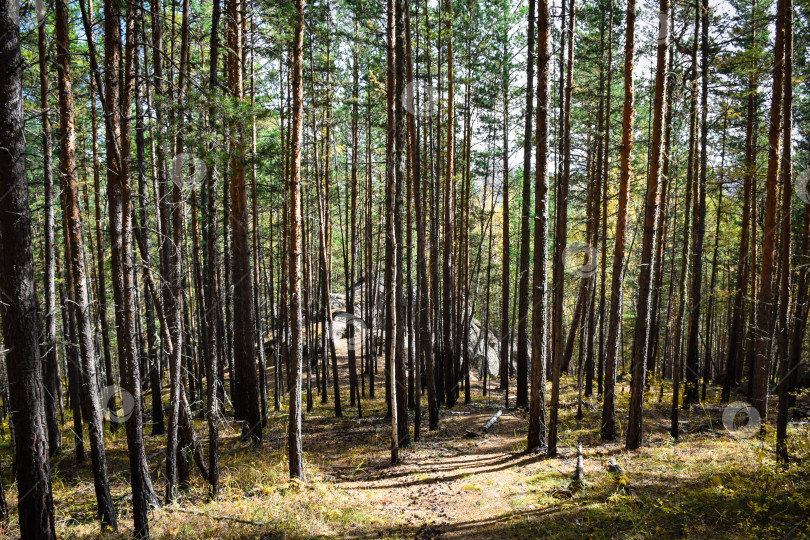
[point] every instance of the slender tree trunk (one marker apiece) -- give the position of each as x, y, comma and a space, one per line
522, 363
19, 308
504, 338
735, 339
246, 385
690, 179
50, 368
699, 231
121, 214
294, 430
561, 234
537, 397
399, 357
210, 295
783, 322
257, 303
759, 377
351, 328
73, 234
449, 352
605, 173
608, 431
641, 337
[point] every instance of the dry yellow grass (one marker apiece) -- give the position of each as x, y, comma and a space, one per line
708, 484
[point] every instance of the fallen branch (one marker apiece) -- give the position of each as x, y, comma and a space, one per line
217, 518
493, 420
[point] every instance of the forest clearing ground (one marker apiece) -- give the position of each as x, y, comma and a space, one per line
451, 485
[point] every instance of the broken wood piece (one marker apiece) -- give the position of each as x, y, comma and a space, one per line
579, 473
493, 419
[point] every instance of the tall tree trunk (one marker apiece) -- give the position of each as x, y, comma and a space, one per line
522, 361
783, 321
50, 367
661, 231
759, 377
175, 308
699, 231
449, 352
257, 303
605, 174
537, 397
561, 233
642, 337
504, 338
737, 331
211, 295
685, 245
351, 327
120, 212
296, 353
244, 358
73, 234
399, 357
608, 431
19, 308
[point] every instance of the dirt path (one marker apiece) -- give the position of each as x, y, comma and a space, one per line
450, 484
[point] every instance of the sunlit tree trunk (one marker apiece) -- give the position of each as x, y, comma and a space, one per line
296, 353
641, 337
608, 431
759, 377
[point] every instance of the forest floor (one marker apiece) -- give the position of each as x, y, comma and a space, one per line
454, 485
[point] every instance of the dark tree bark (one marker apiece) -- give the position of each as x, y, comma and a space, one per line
677, 361
257, 300
783, 321
351, 329
522, 361
424, 309
174, 301
19, 308
537, 407
244, 358
52, 389
505, 333
759, 376
561, 233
